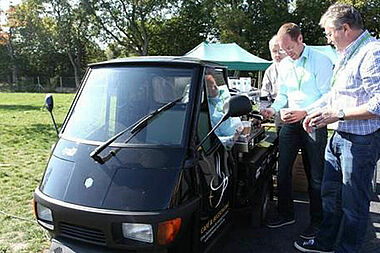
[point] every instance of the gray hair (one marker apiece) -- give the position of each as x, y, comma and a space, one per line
339, 14
273, 41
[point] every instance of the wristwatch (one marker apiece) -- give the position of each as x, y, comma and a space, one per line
341, 115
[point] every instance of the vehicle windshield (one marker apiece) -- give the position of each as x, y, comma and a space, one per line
114, 98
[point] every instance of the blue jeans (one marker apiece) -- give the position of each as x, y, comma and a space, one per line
346, 189
292, 138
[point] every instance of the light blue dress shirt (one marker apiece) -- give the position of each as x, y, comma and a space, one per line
303, 81
228, 128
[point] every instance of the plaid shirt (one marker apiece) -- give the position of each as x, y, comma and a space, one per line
356, 83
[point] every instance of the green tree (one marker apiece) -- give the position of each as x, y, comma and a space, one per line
251, 24
35, 46
72, 34
307, 15
5, 72
8, 40
370, 12
129, 22
52, 38
191, 23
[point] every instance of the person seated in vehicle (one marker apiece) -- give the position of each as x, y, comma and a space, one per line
228, 132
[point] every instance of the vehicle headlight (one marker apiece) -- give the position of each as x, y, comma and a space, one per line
44, 216
139, 232
44, 213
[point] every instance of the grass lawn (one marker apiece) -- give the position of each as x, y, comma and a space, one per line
26, 136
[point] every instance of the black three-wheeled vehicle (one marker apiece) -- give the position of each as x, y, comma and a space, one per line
138, 166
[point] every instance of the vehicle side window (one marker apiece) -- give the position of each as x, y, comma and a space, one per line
217, 96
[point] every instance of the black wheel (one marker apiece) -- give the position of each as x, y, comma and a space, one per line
374, 179
265, 206
261, 205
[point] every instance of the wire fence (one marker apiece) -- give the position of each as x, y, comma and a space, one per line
40, 84
66, 84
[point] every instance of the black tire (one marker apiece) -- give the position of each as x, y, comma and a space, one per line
261, 205
374, 179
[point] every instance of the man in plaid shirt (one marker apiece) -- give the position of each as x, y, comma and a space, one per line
353, 106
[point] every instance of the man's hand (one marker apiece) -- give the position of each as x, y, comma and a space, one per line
306, 123
320, 119
293, 116
267, 112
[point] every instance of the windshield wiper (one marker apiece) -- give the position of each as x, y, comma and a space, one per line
134, 129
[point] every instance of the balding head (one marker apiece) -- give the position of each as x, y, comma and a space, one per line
276, 53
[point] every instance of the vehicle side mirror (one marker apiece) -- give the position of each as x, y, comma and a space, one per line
238, 105
49, 103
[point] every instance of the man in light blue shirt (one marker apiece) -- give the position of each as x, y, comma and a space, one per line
304, 77
229, 130
353, 106
303, 81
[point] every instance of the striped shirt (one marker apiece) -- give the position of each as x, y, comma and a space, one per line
356, 83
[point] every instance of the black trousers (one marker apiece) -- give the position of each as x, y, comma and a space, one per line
292, 138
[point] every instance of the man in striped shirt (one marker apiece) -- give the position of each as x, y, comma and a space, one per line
353, 106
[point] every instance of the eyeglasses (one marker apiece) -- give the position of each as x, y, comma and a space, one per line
329, 34
287, 50
278, 51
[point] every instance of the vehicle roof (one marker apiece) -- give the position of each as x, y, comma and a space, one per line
158, 59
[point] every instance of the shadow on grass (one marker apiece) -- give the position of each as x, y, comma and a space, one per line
44, 129
19, 107
33, 132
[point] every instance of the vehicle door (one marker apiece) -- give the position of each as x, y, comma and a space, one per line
214, 168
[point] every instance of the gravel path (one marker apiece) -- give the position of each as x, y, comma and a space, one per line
243, 239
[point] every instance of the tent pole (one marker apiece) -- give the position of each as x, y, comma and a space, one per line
260, 78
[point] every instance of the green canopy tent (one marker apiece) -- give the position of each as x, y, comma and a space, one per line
230, 55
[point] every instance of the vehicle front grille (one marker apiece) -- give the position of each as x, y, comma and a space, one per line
83, 234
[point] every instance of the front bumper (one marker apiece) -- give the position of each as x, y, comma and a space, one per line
64, 245
88, 227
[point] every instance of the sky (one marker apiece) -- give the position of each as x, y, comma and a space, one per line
4, 4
